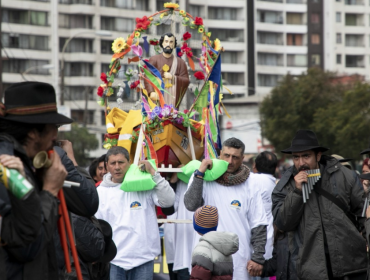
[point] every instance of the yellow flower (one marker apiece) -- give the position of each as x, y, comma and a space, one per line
119, 45
217, 45
150, 19
137, 34
163, 15
200, 30
170, 5
182, 12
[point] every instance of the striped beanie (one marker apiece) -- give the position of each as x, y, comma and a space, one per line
205, 219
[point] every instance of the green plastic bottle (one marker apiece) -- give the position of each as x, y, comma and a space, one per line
15, 182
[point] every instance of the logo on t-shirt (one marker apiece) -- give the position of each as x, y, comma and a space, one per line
236, 204
136, 205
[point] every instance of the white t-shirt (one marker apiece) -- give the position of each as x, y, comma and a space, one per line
266, 184
184, 232
240, 208
133, 220
169, 239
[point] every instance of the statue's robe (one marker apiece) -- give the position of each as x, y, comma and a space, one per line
180, 78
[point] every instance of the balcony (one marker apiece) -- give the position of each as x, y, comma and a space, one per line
270, 59
269, 17
296, 1
71, 2
355, 61
354, 20
142, 5
270, 38
295, 18
293, 39
354, 40
297, 60
275, 1
354, 2
268, 80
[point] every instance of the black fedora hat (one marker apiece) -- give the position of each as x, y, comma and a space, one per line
110, 250
32, 102
304, 140
366, 151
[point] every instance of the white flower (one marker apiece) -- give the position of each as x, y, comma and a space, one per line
119, 101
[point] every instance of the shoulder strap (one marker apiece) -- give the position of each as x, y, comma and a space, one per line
336, 201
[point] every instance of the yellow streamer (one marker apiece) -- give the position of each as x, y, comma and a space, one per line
151, 103
227, 89
227, 114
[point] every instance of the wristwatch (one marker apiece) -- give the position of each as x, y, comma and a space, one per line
198, 174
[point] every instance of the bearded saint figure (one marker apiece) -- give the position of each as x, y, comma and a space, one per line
173, 70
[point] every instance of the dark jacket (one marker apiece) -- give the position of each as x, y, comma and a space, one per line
211, 258
280, 265
309, 224
30, 251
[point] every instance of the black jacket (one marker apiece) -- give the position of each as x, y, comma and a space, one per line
28, 226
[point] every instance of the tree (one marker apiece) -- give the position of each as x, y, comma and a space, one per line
335, 111
82, 142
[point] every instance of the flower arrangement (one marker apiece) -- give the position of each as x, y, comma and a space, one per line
159, 115
153, 42
185, 49
198, 21
186, 36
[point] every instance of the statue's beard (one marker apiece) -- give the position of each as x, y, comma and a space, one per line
167, 50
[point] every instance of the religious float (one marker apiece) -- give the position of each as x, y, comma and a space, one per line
158, 130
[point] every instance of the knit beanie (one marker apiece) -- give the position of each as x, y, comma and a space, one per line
205, 219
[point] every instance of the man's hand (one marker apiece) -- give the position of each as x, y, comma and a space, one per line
167, 75
13, 162
254, 269
148, 167
206, 164
300, 178
53, 177
67, 147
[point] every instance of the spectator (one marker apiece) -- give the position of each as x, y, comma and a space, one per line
239, 204
97, 169
211, 257
318, 230
265, 166
28, 125
132, 217
343, 161
365, 170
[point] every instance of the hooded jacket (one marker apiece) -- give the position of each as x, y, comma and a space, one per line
211, 259
319, 230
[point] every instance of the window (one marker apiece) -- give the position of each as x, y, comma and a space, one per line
194, 10
269, 17
85, 2
78, 116
106, 47
271, 59
353, 40
142, 5
294, 18
222, 13
75, 21
233, 78
355, 61
269, 38
23, 41
24, 17
338, 17
315, 39
230, 57
315, 18
294, 39
21, 65
77, 45
339, 59
315, 60
118, 24
230, 35
339, 38
268, 80
78, 69
297, 60
351, 20
78, 93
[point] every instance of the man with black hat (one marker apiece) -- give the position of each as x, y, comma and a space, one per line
323, 241
28, 125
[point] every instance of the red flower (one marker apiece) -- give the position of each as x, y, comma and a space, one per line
199, 75
211, 54
134, 84
198, 21
142, 23
103, 77
186, 36
184, 46
189, 54
180, 54
100, 91
153, 42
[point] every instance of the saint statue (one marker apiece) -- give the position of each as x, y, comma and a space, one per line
173, 70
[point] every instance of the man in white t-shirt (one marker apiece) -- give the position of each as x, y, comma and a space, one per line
264, 167
239, 204
132, 217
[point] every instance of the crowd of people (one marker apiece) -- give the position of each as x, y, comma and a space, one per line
312, 223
